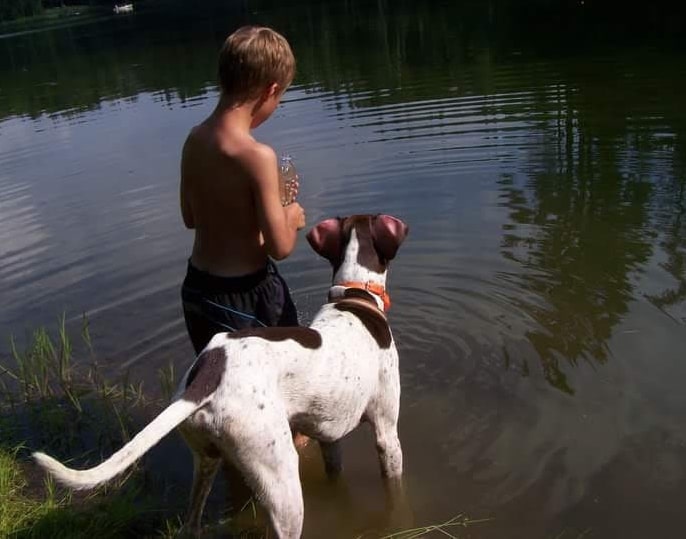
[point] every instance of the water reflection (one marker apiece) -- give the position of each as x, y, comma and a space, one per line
73, 70
670, 208
368, 53
581, 223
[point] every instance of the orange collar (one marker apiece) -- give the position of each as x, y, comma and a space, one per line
374, 288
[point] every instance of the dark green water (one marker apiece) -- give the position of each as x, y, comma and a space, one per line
539, 158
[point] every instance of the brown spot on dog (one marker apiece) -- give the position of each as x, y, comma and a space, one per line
357, 293
369, 314
205, 374
306, 337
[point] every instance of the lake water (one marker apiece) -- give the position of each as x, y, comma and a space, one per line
539, 303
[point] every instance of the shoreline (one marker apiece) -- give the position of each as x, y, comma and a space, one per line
49, 18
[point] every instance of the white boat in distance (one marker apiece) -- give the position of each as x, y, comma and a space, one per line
123, 8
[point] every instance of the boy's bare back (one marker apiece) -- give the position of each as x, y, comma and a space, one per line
217, 196
230, 196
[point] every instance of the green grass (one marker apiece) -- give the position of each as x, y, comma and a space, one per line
28, 514
17, 510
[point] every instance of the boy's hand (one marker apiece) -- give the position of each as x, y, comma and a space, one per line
295, 214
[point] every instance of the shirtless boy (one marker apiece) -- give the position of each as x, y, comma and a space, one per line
230, 196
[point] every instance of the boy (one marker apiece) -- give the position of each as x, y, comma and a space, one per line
230, 196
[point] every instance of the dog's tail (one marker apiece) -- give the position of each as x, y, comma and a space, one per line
157, 429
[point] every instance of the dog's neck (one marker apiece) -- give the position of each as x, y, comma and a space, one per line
361, 271
361, 294
363, 305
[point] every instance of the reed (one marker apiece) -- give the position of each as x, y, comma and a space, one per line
50, 401
444, 529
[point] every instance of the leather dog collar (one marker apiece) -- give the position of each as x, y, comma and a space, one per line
373, 288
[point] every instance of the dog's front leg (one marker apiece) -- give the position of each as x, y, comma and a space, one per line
333, 458
388, 447
391, 460
204, 471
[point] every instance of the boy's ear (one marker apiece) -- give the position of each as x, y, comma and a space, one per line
388, 233
273, 89
325, 239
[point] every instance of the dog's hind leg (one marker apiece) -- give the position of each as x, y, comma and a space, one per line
267, 457
204, 470
283, 498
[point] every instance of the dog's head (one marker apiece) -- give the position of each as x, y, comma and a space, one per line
359, 247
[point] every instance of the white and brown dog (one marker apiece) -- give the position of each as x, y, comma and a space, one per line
247, 390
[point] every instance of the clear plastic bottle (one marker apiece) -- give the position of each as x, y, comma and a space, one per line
287, 179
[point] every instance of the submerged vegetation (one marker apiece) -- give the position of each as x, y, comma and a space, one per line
445, 529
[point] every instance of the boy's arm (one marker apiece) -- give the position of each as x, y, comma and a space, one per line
279, 225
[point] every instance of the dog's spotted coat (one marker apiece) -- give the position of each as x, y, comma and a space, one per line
247, 390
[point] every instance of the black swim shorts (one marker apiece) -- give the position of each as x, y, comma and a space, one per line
213, 304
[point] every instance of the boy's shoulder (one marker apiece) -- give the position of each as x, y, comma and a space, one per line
238, 148
250, 154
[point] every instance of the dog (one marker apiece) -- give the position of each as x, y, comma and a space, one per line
247, 391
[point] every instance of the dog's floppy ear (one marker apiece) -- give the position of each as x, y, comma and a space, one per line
325, 239
388, 233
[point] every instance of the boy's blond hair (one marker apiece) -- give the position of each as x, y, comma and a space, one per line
251, 59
